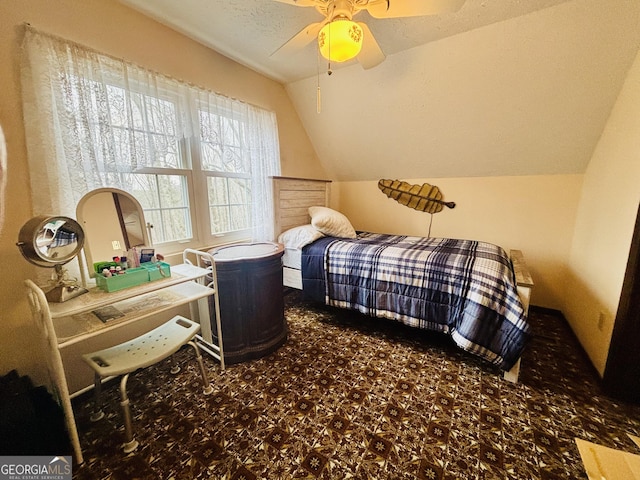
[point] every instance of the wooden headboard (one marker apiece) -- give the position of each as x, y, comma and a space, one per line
292, 197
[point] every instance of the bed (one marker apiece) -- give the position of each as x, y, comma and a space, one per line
473, 291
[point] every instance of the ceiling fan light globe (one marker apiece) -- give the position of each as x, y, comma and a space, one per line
340, 40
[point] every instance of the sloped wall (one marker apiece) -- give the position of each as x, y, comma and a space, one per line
604, 225
526, 96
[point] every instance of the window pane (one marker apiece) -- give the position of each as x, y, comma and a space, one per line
127, 129
160, 115
223, 144
239, 217
175, 225
217, 190
239, 191
219, 218
165, 202
145, 189
165, 151
228, 204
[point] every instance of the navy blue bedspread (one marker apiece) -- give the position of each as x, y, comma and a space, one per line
463, 288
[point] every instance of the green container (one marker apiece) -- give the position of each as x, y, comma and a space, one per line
154, 269
99, 266
131, 278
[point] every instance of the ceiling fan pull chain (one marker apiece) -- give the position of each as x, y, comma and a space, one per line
329, 72
318, 98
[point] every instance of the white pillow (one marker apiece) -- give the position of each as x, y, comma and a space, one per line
298, 237
331, 222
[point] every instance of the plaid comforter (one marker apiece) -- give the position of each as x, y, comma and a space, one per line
464, 288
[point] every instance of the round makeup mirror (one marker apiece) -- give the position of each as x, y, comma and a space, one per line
113, 221
52, 241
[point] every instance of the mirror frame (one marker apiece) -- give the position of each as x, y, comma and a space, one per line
82, 218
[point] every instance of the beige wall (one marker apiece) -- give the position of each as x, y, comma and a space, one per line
110, 27
604, 225
534, 214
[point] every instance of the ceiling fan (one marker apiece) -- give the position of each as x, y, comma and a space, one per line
341, 39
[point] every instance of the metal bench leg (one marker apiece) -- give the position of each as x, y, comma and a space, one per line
175, 368
131, 443
97, 414
205, 379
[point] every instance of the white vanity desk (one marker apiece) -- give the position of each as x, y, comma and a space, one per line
67, 316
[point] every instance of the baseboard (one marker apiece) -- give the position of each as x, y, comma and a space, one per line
548, 311
583, 352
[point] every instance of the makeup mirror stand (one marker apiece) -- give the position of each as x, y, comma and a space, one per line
82, 263
53, 241
65, 288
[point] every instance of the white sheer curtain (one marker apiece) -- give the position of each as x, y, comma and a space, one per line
92, 120
264, 145
257, 131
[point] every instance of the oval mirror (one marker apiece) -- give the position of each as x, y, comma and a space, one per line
113, 222
47, 241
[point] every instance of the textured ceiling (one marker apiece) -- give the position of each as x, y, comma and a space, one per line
501, 87
250, 31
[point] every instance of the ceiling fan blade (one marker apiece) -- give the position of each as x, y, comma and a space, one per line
301, 39
371, 53
412, 8
299, 3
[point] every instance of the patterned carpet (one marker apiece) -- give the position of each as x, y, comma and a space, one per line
353, 397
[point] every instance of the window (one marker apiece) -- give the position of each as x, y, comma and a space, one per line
227, 166
137, 148
198, 162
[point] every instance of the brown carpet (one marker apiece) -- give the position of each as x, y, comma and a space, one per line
352, 397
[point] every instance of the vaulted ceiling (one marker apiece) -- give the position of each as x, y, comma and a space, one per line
500, 87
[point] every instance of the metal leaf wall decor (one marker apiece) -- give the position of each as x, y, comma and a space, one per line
424, 198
